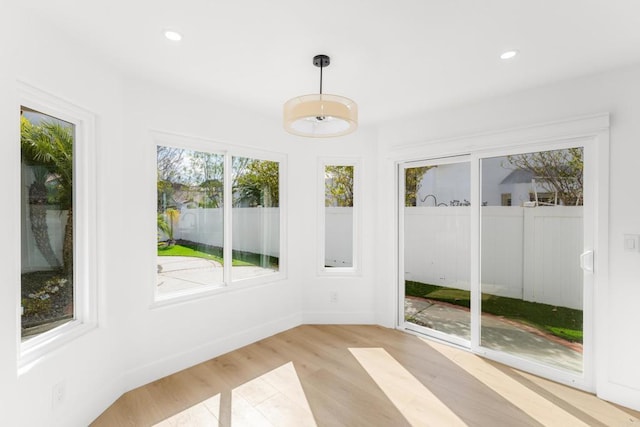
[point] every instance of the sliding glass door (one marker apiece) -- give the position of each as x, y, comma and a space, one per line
436, 229
532, 237
495, 252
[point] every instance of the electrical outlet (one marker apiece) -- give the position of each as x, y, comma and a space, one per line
632, 242
58, 394
333, 297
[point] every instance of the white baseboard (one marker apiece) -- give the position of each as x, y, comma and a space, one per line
339, 318
157, 369
619, 394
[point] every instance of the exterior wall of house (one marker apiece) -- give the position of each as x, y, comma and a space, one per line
444, 184
450, 183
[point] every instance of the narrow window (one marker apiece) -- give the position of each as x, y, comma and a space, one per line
338, 219
339, 216
47, 226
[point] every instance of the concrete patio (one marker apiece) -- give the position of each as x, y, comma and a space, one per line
177, 273
497, 333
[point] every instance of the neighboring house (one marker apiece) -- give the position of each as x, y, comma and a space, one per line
445, 185
448, 185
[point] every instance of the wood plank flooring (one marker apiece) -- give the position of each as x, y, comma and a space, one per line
332, 375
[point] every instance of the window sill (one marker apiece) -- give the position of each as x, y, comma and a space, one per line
339, 272
39, 346
209, 291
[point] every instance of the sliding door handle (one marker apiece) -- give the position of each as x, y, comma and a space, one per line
586, 261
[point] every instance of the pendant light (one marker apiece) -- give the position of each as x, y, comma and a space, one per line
320, 115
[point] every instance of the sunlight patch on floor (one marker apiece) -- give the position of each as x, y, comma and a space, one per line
414, 401
534, 405
599, 409
202, 414
272, 399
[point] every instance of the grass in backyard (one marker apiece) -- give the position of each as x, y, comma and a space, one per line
567, 334
179, 250
563, 322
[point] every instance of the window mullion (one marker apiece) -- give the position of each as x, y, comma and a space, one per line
227, 220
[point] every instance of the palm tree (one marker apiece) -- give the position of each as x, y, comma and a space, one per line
38, 215
163, 225
173, 215
49, 147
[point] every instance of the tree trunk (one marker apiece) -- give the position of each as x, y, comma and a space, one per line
67, 246
39, 227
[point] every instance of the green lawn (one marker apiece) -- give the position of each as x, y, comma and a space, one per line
179, 250
563, 322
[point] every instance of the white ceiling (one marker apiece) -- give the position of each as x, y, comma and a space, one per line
394, 58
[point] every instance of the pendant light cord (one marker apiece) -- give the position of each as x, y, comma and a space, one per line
321, 67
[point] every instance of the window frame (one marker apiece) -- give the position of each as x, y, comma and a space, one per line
228, 150
356, 269
85, 248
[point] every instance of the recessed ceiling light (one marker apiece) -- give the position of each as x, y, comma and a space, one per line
173, 35
508, 54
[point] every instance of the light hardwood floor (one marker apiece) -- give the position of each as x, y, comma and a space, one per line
334, 375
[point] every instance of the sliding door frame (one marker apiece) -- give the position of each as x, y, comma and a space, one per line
582, 380
590, 132
402, 167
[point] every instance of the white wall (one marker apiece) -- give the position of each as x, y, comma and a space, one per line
162, 340
61, 66
9, 172
355, 292
617, 92
135, 343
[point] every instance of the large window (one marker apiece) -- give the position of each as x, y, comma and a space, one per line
47, 280
218, 219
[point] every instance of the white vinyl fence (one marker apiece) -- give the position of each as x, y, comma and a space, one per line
527, 253
338, 241
255, 230
436, 248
